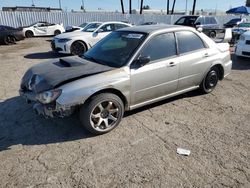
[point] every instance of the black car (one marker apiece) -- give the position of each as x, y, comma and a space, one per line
233, 22
209, 24
9, 35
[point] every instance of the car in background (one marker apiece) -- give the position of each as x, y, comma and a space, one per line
242, 48
209, 24
9, 35
76, 28
128, 69
43, 29
234, 22
78, 42
149, 23
238, 30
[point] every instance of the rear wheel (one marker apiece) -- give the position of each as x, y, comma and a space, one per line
78, 48
9, 40
102, 113
57, 32
210, 81
212, 34
29, 34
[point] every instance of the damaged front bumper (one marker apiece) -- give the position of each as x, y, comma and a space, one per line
46, 110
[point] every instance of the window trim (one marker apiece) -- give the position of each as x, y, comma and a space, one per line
162, 59
186, 53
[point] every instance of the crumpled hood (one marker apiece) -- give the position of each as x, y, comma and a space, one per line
75, 34
48, 75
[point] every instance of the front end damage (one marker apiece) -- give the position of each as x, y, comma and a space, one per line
47, 110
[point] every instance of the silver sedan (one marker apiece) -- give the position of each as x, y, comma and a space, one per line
128, 69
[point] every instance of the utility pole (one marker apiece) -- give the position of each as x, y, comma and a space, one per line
186, 10
141, 6
194, 4
173, 7
167, 1
130, 7
122, 6
33, 4
60, 5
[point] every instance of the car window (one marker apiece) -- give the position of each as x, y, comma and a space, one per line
91, 27
180, 21
200, 20
213, 20
120, 26
2, 28
107, 28
159, 47
40, 24
188, 42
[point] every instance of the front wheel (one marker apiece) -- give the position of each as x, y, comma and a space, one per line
212, 34
29, 34
57, 32
78, 48
210, 81
102, 113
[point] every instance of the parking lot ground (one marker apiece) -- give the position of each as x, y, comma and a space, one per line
141, 151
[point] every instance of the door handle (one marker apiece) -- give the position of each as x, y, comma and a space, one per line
171, 64
206, 55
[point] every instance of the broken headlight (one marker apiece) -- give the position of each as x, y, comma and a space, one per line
48, 96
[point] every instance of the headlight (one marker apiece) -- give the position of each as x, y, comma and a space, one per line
242, 38
63, 40
48, 96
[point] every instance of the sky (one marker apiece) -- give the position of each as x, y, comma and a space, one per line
115, 4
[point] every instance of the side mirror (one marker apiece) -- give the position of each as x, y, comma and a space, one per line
197, 24
143, 60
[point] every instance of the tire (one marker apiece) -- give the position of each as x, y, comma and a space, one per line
78, 48
212, 34
9, 40
102, 113
57, 32
210, 81
29, 34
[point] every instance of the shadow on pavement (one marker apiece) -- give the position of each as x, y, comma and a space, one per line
240, 63
20, 125
44, 55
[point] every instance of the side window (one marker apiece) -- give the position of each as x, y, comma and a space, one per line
161, 46
200, 20
188, 42
213, 20
107, 28
180, 21
120, 26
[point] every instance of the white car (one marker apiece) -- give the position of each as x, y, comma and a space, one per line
43, 29
243, 45
78, 42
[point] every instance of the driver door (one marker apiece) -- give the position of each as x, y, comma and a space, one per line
40, 29
160, 76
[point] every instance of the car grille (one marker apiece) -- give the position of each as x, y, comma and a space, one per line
248, 42
246, 53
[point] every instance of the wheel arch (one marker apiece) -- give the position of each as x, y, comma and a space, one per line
113, 91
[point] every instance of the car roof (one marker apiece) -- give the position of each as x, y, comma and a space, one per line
152, 28
112, 22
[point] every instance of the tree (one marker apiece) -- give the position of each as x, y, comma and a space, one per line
146, 7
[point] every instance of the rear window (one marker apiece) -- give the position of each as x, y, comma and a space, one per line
188, 42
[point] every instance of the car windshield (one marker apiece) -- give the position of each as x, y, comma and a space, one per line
83, 25
91, 27
116, 49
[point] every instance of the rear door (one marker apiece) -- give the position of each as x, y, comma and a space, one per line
40, 29
160, 76
194, 58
